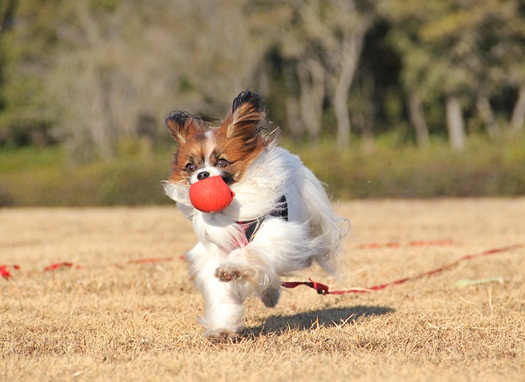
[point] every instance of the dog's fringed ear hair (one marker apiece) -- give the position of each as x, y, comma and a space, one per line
245, 116
182, 125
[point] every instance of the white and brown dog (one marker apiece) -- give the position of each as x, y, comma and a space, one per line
279, 221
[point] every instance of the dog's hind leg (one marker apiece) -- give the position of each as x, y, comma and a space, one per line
270, 297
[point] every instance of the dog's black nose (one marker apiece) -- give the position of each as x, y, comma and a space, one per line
203, 175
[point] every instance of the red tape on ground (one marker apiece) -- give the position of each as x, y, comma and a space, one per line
319, 287
4, 271
324, 290
418, 243
6, 274
67, 264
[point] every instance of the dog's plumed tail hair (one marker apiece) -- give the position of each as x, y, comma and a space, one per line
329, 228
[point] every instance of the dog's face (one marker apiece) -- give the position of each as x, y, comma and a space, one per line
225, 151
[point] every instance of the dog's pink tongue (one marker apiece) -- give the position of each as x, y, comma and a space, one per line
211, 194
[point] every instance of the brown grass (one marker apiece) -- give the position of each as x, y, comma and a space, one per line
137, 321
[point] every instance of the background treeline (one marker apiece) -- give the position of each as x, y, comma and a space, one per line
352, 83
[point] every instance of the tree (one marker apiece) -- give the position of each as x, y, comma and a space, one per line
131, 60
303, 66
347, 23
518, 113
464, 50
429, 62
418, 79
27, 43
325, 43
7, 12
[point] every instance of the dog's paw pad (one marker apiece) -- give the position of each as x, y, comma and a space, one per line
220, 335
230, 272
227, 274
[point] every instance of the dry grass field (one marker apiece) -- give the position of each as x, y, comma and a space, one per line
121, 321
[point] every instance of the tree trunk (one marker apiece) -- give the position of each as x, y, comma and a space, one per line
311, 77
105, 134
6, 19
417, 118
293, 112
352, 46
487, 115
518, 114
341, 112
456, 127
293, 118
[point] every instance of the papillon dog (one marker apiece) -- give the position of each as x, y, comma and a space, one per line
279, 221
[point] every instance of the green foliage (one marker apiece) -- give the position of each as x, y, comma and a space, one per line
394, 171
33, 177
95, 75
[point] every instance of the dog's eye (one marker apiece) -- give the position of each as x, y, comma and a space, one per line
190, 167
221, 163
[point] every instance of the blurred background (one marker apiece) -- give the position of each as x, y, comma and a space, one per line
381, 98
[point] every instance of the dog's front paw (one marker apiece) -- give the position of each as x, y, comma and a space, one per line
219, 335
229, 271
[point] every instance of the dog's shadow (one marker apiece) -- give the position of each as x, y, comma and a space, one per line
314, 319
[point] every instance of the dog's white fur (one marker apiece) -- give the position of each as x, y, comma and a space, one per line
227, 269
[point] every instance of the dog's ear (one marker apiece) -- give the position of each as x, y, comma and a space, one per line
245, 116
182, 125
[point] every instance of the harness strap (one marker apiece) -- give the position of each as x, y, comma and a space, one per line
251, 227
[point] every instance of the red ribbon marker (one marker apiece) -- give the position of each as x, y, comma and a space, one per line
4, 270
324, 290
319, 287
64, 264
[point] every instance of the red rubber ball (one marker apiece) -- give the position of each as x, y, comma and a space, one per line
211, 194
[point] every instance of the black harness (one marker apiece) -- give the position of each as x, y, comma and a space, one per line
251, 227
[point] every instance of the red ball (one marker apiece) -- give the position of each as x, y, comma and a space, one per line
211, 194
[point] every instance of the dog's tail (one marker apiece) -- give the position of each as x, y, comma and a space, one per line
324, 223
